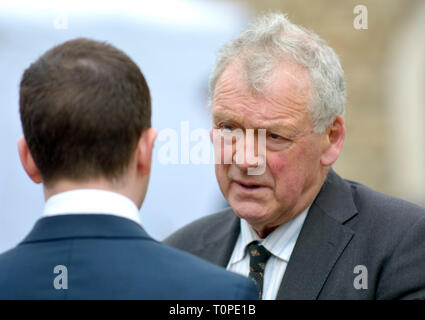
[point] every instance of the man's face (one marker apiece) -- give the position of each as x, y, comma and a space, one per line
293, 174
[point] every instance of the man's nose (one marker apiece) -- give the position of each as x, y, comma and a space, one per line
245, 155
250, 156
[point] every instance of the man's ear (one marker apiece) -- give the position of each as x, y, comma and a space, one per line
145, 149
27, 161
335, 135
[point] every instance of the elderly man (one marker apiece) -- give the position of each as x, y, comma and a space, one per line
298, 229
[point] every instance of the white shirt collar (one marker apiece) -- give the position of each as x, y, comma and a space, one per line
91, 201
280, 242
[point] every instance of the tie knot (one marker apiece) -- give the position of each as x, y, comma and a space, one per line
258, 257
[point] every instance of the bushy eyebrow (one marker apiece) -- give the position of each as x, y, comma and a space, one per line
224, 115
289, 132
275, 127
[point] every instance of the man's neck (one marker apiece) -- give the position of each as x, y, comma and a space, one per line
97, 184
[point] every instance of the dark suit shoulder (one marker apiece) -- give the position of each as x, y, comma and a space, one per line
393, 230
383, 208
194, 235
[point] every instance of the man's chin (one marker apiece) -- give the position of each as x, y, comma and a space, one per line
250, 211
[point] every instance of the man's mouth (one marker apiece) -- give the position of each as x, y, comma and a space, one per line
248, 185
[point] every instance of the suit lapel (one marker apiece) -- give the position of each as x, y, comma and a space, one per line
220, 240
322, 240
320, 243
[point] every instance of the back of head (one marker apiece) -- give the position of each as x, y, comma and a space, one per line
83, 107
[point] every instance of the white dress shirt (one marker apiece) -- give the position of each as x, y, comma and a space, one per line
91, 201
280, 243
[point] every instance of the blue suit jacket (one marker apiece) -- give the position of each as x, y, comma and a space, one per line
109, 257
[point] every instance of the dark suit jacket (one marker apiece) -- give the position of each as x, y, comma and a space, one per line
348, 225
110, 257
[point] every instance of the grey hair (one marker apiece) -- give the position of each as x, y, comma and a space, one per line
271, 39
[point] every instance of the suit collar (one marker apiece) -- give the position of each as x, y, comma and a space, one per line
284, 236
84, 226
322, 240
219, 238
320, 243
91, 201
336, 198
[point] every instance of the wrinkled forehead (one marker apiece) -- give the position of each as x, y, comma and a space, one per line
259, 71
286, 93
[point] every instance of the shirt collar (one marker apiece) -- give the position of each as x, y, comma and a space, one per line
280, 242
91, 201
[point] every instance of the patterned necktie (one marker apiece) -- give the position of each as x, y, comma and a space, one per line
258, 256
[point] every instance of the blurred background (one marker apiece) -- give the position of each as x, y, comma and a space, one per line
174, 42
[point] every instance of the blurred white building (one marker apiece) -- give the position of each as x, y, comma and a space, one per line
173, 42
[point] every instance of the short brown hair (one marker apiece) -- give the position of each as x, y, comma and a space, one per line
83, 107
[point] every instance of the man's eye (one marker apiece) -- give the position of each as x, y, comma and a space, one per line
227, 127
275, 136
